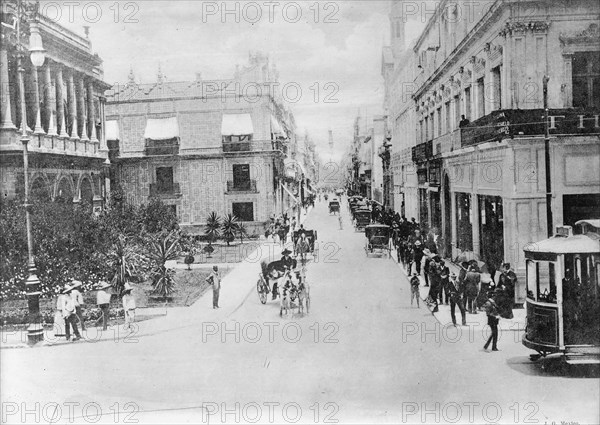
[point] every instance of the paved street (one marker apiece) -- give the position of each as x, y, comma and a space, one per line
363, 354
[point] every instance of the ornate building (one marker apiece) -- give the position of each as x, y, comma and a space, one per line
482, 180
64, 107
204, 146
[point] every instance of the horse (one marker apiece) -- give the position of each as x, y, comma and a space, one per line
287, 293
303, 292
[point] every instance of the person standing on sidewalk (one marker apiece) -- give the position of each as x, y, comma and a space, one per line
128, 305
472, 280
456, 299
415, 282
103, 302
78, 300
68, 312
215, 280
435, 278
491, 310
59, 320
444, 282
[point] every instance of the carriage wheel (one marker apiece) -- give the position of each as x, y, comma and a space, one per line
262, 294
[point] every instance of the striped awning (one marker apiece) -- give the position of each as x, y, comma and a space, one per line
289, 192
162, 128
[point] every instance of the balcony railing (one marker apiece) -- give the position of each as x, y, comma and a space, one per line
247, 186
254, 145
165, 190
160, 147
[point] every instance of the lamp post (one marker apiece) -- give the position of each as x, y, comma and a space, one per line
35, 330
549, 219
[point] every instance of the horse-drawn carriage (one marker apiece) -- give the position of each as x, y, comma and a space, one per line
378, 239
362, 218
334, 206
286, 283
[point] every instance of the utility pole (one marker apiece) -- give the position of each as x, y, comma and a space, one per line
550, 226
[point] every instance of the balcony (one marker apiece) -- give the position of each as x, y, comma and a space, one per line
165, 191
254, 145
161, 147
10, 141
422, 152
248, 186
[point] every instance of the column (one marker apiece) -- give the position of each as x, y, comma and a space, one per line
453, 222
475, 216
50, 95
91, 112
72, 102
36, 95
5, 91
81, 108
60, 101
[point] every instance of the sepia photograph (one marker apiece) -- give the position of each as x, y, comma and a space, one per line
300, 212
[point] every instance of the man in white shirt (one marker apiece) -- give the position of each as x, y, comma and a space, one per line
78, 300
103, 302
68, 312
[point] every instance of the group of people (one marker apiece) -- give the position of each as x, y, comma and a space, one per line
69, 308
280, 227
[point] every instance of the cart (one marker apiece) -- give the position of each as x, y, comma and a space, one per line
378, 239
362, 218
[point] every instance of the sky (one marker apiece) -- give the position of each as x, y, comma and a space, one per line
331, 50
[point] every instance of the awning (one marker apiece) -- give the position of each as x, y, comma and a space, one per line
276, 127
293, 168
289, 192
112, 130
161, 129
237, 125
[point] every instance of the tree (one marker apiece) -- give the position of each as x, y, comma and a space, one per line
213, 227
164, 248
126, 263
230, 227
242, 231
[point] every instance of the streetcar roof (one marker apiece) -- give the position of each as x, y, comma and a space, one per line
576, 244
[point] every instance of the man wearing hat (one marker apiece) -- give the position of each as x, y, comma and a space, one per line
302, 246
103, 302
68, 313
456, 299
128, 305
78, 299
507, 281
215, 280
493, 317
288, 263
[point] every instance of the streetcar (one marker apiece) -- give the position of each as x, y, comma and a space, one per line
563, 294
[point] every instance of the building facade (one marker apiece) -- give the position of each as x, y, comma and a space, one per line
482, 178
204, 146
64, 111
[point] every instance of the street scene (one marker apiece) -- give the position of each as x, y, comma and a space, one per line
300, 212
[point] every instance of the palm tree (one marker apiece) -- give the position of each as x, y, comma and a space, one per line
213, 227
242, 231
163, 249
125, 261
230, 227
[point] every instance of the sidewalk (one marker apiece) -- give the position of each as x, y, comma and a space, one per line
478, 320
238, 285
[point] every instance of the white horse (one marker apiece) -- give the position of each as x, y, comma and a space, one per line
303, 292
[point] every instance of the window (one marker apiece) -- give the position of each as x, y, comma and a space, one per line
439, 121
586, 80
241, 176
243, 210
448, 123
164, 179
468, 103
432, 124
457, 111
480, 98
426, 129
497, 88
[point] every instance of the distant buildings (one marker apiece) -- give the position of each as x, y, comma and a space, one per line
64, 106
480, 185
228, 146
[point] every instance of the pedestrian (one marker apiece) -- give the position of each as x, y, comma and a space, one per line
435, 280
103, 302
78, 299
456, 300
417, 256
215, 280
59, 320
68, 312
128, 305
472, 280
491, 309
414, 289
507, 282
444, 282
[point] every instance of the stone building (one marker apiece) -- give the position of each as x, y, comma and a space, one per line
482, 182
64, 107
204, 146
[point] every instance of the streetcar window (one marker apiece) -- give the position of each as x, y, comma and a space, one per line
546, 283
531, 280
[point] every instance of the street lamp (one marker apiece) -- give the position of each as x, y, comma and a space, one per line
35, 330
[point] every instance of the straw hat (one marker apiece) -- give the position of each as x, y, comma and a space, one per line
127, 287
76, 283
67, 289
104, 285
